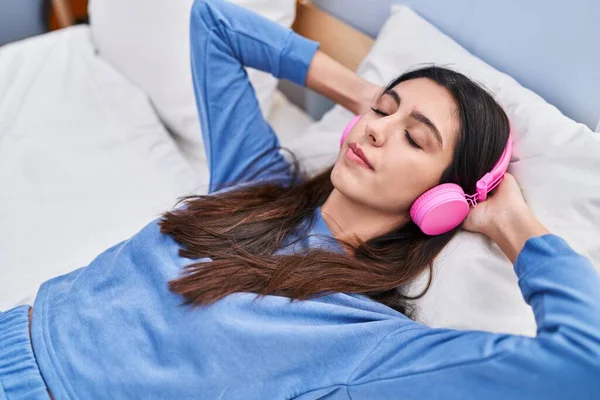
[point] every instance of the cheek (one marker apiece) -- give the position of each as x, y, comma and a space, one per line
348, 178
358, 131
394, 187
407, 176
353, 181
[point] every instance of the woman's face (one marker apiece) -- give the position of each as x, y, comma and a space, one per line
407, 143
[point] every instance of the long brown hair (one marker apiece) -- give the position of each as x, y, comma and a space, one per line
240, 230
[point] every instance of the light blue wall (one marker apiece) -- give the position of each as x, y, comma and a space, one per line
365, 15
21, 18
549, 46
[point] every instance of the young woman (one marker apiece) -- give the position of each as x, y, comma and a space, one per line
197, 304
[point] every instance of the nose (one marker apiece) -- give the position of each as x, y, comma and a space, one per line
378, 131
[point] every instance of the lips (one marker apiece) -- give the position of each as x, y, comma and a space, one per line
358, 155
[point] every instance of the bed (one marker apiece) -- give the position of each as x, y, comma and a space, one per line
85, 161
92, 146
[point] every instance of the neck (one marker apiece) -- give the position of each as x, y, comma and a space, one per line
351, 221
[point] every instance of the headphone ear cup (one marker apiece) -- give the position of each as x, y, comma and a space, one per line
348, 128
441, 209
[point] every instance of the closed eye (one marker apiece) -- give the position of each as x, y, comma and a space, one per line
379, 112
408, 137
410, 140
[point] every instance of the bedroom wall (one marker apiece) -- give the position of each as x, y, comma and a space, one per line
20, 19
353, 12
549, 46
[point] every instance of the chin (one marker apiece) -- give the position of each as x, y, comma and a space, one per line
347, 183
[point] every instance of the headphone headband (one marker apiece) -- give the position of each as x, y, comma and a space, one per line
493, 178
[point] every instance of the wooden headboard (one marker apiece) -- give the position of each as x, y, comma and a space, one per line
65, 13
312, 22
338, 40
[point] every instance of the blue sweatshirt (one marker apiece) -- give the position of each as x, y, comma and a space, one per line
113, 330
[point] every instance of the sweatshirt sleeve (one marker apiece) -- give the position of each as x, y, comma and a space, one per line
561, 362
240, 145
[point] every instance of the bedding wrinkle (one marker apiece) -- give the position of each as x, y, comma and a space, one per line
21, 91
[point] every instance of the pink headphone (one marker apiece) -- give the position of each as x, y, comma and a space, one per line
444, 207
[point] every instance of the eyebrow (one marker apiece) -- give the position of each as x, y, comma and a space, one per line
393, 94
418, 116
427, 122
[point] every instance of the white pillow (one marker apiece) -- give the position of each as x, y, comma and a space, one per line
556, 162
84, 161
148, 41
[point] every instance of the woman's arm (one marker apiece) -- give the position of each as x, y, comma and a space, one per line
240, 145
340, 84
561, 362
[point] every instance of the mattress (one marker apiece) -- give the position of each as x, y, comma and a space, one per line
84, 160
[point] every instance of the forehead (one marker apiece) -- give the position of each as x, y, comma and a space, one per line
433, 101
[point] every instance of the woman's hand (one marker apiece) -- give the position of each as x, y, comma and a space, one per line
369, 93
340, 84
505, 218
507, 199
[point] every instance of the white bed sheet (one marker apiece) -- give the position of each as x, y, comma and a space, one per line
84, 160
